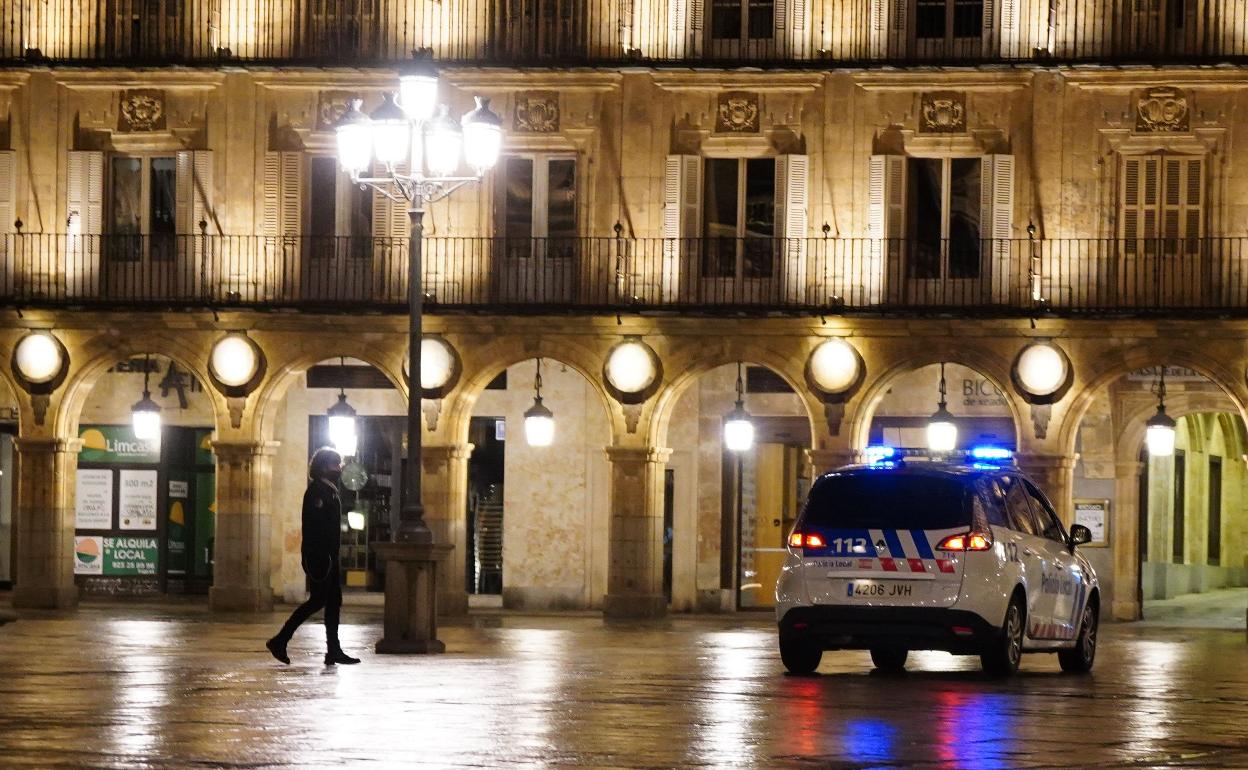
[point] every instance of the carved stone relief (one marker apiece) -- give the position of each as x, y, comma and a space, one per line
942, 112
330, 107
1163, 110
537, 112
737, 113
141, 110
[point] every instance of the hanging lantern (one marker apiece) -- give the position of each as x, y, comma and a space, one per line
539, 421
1160, 429
738, 427
145, 415
942, 432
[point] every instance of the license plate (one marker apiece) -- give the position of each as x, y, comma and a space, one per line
872, 589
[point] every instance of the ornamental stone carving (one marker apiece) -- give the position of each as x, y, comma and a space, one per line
942, 112
141, 110
1162, 110
737, 113
537, 112
330, 107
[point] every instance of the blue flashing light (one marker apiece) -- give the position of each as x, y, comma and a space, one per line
991, 454
877, 455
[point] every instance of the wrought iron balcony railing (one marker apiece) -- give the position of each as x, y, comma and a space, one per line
624, 31
1004, 277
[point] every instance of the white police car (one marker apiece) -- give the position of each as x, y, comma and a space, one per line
904, 555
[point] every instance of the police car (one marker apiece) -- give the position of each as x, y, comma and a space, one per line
966, 557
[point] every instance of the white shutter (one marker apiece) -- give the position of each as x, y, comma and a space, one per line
389, 216
1182, 202
792, 202
8, 190
877, 35
1141, 181
886, 197
898, 28
194, 191
1009, 37
996, 224
282, 209
696, 14
85, 194
682, 209
989, 36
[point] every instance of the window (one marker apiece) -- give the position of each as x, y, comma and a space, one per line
1215, 511
142, 201
542, 28
743, 20
943, 204
1161, 203
948, 20
537, 206
1179, 531
1017, 507
993, 502
739, 218
874, 500
1046, 517
340, 214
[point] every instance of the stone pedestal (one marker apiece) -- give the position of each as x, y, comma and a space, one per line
240, 578
411, 610
445, 498
635, 574
44, 569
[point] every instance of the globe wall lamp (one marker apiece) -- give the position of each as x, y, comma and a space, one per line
1042, 373
738, 427
39, 361
416, 134
835, 368
942, 432
1160, 429
235, 364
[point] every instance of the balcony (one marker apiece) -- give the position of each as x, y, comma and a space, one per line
579, 32
595, 275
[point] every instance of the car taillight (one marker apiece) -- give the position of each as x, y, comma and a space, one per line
806, 540
967, 541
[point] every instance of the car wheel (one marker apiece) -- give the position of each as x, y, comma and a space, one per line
1003, 654
892, 659
800, 656
1078, 659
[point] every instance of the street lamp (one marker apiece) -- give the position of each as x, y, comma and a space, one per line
738, 428
145, 415
539, 421
942, 433
417, 130
1159, 431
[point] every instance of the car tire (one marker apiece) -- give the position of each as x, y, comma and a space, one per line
800, 656
1005, 652
890, 659
1079, 659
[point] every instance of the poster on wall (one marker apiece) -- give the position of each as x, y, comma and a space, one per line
89, 555
136, 501
116, 444
93, 499
1094, 514
131, 555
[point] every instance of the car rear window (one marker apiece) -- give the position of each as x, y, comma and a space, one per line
888, 501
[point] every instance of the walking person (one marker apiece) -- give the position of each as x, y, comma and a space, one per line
322, 536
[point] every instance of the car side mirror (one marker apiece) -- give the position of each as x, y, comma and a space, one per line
1079, 535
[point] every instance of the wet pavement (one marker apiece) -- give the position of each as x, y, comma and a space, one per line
123, 686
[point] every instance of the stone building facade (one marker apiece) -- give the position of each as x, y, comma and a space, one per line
930, 186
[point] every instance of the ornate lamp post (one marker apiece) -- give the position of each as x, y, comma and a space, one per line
416, 130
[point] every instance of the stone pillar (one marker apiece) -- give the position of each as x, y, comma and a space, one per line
410, 625
44, 568
1124, 539
635, 569
240, 576
1056, 476
445, 497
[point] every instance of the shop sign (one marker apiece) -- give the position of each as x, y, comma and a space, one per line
93, 499
137, 500
89, 555
131, 555
203, 448
116, 444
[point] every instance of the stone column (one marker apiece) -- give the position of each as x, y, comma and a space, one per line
635, 571
445, 493
44, 568
240, 576
1056, 476
1124, 539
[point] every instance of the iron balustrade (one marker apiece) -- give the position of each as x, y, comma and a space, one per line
817, 33
752, 275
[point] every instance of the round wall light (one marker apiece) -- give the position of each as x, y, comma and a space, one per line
1042, 373
835, 367
439, 367
236, 364
38, 358
632, 371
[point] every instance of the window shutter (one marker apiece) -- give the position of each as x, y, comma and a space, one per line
792, 201
682, 208
194, 191
85, 180
1182, 202
898, 23
8, 191
281, 214
996, 224
1009, 28
886, 198
877, 32
1141, 180
696, 13
390, 225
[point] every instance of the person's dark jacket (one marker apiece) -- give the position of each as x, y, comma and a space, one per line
322, 528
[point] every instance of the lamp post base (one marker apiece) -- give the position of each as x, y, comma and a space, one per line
411, 609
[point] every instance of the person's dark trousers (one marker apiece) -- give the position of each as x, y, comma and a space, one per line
325, 594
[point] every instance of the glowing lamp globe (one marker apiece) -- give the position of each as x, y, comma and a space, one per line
437, 363
483, 137
418, 92
354, 134
1159, 434
539, 425
392, 133
38, 357
342, 433
942, 432
234, 360
444, 141
738, 430
1042, 369
835, 366
145, 419
630, 367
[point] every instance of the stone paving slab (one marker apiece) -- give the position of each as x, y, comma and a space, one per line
176, 687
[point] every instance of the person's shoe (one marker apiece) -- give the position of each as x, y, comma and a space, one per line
278, 648
338, 656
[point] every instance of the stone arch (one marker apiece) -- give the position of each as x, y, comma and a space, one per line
101, 353
1179, 405
992, 367
700, 360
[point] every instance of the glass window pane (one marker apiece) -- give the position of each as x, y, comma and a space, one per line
323, 197
870, 500
965, 211
360, 222
518, 206
719, 217
760, 217
162, 206
726, 19
968, 18
561, 208
762, 19
126, 200
925, 214
929, 19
